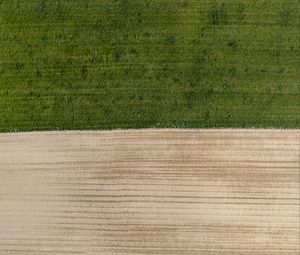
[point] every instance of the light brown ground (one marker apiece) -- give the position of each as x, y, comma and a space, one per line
150, 192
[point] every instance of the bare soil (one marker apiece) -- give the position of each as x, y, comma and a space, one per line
166, 191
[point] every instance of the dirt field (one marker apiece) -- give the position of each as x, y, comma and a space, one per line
150, 192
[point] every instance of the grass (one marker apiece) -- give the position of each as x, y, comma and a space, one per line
90, 64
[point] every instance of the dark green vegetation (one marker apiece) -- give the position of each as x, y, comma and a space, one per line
98, 64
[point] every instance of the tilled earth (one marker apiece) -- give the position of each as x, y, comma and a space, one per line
167, 191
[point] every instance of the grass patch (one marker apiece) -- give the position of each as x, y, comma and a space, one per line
70, 64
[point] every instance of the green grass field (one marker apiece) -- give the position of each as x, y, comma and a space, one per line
103, 64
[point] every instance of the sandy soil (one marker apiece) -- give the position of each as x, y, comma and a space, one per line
150, 192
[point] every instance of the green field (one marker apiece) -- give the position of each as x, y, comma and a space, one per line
103, 64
